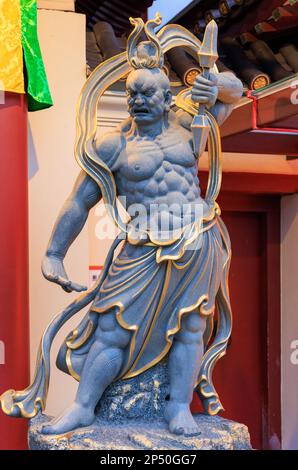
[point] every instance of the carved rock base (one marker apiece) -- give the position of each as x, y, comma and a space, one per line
216, 434
130, 417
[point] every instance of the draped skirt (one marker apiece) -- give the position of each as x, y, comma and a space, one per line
149, 289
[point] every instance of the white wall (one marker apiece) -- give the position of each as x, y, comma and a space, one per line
111, 111
289, 321
51, 141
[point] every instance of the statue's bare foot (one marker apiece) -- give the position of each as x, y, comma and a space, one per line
180, 419
74, 417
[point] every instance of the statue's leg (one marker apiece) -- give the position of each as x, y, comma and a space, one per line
184, 364
102, 365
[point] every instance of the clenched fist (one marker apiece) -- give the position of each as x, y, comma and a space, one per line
205, 91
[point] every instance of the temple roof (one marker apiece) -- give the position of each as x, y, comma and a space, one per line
258, 41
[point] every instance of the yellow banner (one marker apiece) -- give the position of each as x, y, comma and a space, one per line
11, 55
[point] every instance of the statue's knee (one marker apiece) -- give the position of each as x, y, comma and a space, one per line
194, 322
107, 322
192, 328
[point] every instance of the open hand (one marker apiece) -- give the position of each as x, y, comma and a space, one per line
53, 270
205, 91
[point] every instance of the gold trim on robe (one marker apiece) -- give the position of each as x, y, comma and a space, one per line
149, 291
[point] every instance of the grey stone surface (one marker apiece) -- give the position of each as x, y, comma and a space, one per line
131, 417
141, 397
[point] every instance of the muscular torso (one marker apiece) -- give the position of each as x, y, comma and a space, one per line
160, 174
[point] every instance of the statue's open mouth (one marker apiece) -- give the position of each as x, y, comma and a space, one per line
140, 111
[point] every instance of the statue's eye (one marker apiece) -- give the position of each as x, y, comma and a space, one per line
149, 92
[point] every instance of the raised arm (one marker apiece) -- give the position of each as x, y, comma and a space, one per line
69, 224
219, 93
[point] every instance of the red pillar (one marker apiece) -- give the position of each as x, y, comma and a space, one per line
14, 316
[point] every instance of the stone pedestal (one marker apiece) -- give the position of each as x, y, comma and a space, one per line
130, 417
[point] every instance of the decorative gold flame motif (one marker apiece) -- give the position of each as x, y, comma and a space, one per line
144, 54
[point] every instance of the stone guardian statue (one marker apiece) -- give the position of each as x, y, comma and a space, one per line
157, 297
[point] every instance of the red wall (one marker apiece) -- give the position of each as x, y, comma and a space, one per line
14, 318
248, 377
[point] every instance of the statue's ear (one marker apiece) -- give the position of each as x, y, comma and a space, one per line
168, 99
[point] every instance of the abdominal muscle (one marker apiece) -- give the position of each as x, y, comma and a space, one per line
168, 199
164, 220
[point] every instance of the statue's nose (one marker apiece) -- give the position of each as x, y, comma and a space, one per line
139, 100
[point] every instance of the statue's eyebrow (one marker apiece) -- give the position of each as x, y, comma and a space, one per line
145, 88
150, 88
130, 88
141, 88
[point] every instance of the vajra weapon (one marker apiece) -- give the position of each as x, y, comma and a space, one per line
207, 56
